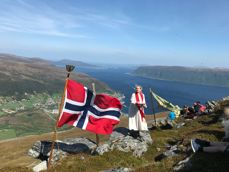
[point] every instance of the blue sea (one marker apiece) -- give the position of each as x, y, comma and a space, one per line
178, 93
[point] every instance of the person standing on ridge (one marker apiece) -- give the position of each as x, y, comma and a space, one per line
137, 120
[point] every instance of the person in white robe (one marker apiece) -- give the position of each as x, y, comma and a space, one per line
137, 120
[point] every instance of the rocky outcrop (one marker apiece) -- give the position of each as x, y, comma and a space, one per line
42, 149
217, 106
120, 140
211, 106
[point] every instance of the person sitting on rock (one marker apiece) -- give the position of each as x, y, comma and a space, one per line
137, 120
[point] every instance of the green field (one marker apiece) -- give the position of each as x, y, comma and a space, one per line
33, 119
7, 134
29, 103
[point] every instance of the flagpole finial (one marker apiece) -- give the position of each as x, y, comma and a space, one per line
70, 68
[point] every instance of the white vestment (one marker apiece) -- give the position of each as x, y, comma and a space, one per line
136, 122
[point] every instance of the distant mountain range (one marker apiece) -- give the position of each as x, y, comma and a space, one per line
20, 74
205, 76
76, 63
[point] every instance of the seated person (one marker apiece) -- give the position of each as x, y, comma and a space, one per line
199, 145
196, 107
199, 108
171, 116
188, 112
206, 146
184, 111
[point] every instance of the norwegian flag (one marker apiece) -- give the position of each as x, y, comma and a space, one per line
82, 109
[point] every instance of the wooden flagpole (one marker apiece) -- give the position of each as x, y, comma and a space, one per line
152, 105
69, 69
97, 136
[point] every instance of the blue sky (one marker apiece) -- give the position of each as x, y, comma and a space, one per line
153, 32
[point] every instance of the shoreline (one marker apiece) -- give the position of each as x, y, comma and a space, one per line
148, 77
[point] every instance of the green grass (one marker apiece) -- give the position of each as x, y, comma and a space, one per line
28, 103
7, 134
205, 127
29, 122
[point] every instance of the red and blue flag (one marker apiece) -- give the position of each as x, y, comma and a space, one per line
96, 113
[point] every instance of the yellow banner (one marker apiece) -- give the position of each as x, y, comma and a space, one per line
167, 105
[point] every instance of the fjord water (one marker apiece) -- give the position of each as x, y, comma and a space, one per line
177, 93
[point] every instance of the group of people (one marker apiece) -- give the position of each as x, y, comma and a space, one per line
192, 112
137, 122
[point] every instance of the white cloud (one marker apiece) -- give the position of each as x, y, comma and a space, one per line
21, 16
25, 18
41, 17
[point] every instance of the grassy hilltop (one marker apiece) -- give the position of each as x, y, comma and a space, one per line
14, 157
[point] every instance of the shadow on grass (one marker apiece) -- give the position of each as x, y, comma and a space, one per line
74, 148
213, 119
122, 130
218, 134
208, 162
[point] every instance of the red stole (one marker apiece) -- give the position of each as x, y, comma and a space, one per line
139, 103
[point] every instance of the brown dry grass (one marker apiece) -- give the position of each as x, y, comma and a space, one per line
14, 151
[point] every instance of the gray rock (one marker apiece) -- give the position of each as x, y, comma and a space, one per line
226, 98
82, 158
103, 148
120, 169
145, 136
140, 149
211, 105
35, 150
57, 155
120, 140
116, 136
40, 167
186, 163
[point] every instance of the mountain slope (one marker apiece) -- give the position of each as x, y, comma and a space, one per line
30, 92
205, 76
73, 62
19, 75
